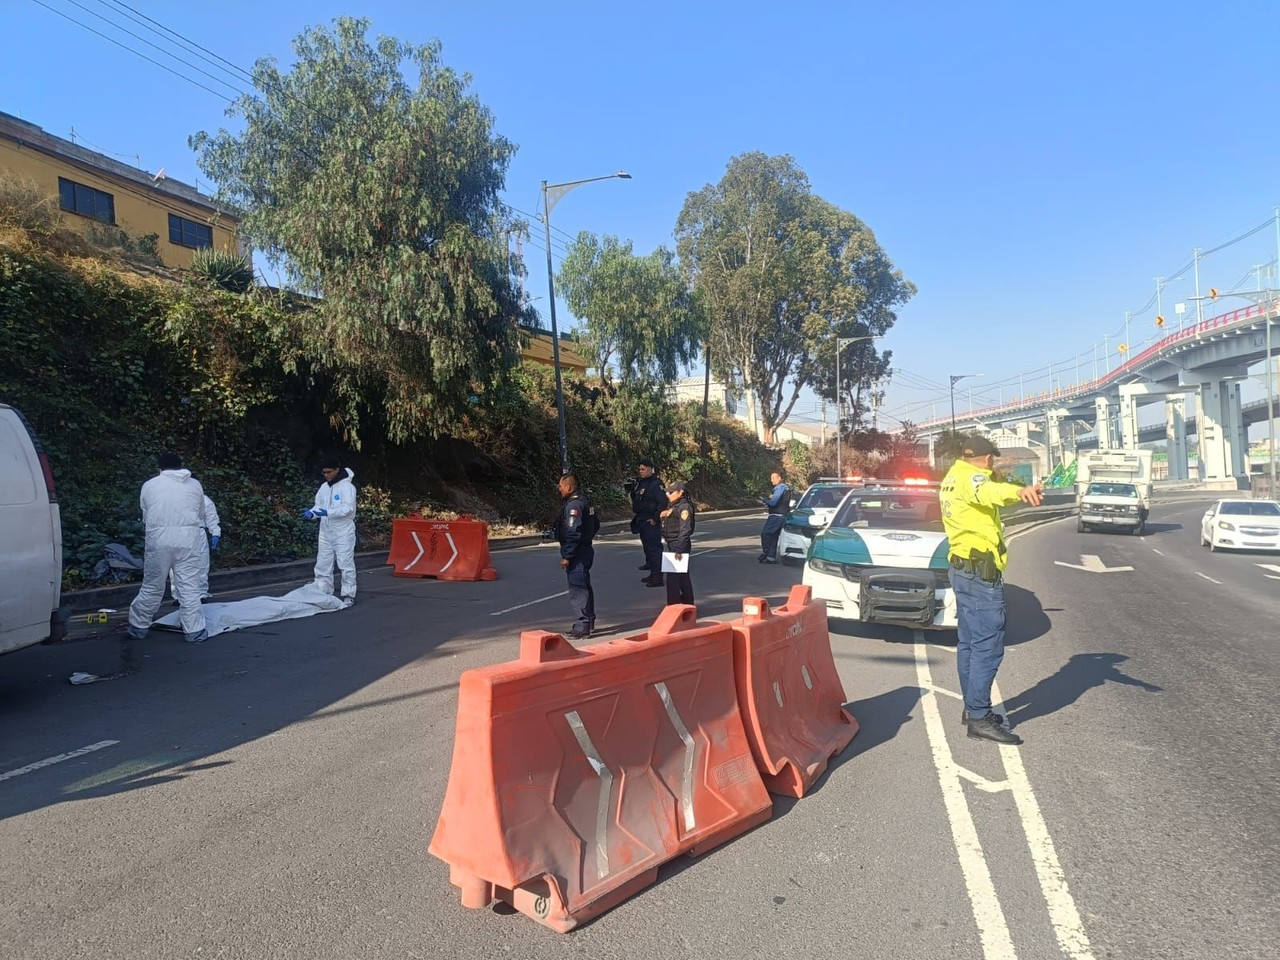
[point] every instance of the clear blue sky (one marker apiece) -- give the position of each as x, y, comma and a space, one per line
1031, 167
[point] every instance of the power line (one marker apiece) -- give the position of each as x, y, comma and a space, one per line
136, 53
166, 52
181, 39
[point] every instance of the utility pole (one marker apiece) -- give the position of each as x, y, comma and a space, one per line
1195, 256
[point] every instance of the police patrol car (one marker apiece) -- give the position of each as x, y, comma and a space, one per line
810, 514
883, 557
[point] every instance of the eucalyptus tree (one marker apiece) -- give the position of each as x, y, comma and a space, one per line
782, 274
370, 173
641, 319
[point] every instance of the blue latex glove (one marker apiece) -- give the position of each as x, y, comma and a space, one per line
308, 514
214, 543
320, 512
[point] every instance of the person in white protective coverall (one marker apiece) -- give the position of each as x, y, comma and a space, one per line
335, 508
213, 524
173, 510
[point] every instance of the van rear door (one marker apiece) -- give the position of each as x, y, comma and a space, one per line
30, 542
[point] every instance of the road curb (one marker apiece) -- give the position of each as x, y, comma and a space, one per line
239, 578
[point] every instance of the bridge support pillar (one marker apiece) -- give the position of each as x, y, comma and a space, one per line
1176, 436
1053, 437
1129, 419
1102, 423
1220, 427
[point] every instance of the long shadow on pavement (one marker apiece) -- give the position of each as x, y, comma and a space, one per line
1077, 676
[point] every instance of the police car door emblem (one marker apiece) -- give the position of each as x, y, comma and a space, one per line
901, 536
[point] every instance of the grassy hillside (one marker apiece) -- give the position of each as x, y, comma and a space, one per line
113, 358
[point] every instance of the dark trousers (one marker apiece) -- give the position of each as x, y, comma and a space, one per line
679, 588
651, 540
769, 534
980, 613
582, 598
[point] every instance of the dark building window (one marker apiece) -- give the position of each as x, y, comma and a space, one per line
188, 233
86, 201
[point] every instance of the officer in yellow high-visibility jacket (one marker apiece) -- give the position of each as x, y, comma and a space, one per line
971, 500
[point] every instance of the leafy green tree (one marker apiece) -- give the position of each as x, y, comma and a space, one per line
641, 318
371, 174
784, 273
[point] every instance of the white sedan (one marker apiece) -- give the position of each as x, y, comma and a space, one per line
1241, 525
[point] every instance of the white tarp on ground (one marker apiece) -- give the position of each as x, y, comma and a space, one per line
221, 617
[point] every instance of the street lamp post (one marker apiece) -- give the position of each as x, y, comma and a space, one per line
956, 378
551, 195
841, 343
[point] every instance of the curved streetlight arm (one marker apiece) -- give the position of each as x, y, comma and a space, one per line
553, 192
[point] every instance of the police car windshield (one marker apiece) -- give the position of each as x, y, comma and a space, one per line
822, 498
891, 510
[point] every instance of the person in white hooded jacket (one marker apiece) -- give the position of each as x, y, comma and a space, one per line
173, 509
335, 508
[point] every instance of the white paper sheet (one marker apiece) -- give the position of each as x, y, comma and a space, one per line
671, 565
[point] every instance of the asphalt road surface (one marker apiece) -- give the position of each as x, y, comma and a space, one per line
271, 793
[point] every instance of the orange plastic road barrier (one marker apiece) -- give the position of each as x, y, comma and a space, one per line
578, 772
788, 690
447, 550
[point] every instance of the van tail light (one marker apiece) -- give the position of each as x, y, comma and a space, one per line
45, 468
48, 477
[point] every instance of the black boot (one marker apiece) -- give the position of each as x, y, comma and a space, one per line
964, 716
989, 728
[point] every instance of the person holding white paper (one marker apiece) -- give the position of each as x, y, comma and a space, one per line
677, 530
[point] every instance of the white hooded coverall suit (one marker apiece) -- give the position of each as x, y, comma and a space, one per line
213, 524
173, 510
337, 534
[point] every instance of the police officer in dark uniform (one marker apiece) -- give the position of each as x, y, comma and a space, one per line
648, 500
575, 529
677, 530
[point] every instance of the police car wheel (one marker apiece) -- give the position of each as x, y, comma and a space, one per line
789, 561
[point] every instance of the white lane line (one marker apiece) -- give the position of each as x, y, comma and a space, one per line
565, 593
50, 761
1064, 916
521, 606
992, 927
1209, 578
1154, 550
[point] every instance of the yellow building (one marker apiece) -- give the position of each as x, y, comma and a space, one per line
93, 189
536, 346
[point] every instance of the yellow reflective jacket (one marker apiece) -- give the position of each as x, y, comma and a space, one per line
971, 503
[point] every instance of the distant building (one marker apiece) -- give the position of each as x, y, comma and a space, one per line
535, 346
94, 189
813, 436
691, 388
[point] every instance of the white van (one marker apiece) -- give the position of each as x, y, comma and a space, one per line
30, 539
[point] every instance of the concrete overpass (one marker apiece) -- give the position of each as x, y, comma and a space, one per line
1206, 361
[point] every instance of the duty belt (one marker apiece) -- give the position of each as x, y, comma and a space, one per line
972, 566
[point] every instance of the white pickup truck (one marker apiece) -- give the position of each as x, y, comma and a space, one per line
1113, 490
